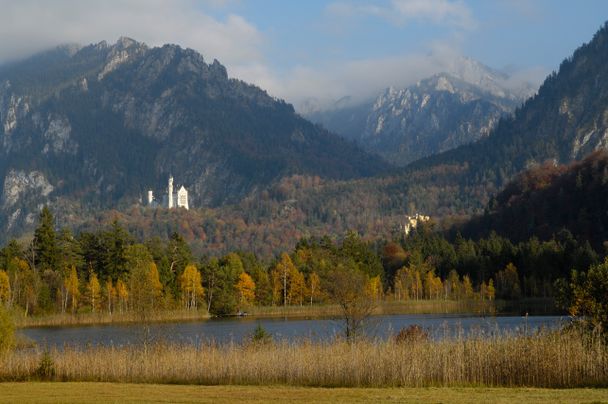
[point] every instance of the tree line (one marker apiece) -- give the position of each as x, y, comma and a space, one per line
110, 270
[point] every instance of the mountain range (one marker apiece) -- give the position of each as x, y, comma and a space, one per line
91, 128
99, 125
436, 114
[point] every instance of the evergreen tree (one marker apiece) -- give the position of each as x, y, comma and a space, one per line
45, 243
115, 242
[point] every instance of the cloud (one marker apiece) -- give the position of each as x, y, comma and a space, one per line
27, 26
318, 87
400, 12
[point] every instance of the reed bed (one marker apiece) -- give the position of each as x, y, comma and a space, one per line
65, 319
321, 310
384, 307
547, 359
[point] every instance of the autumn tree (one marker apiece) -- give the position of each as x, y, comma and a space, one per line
246, 289
490, 290
281, 274
314, 287
122, 293
145, 287
467, 287
587, 295
191, 286
507, 282
374, 288
72, 290
94, 292
348, 288
110, 295
297, 287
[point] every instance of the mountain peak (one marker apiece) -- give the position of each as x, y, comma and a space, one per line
126, 42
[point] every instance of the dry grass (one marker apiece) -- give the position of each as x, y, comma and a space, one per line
317, 310
549, 359
324, 310
57, 320
138, 393
386, 307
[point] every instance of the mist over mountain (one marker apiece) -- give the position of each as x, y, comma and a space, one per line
436, 114
96, 126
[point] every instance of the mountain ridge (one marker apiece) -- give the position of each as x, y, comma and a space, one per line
438, 113
101, 123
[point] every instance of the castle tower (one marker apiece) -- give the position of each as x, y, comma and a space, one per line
150, 197
170, 193
182, 198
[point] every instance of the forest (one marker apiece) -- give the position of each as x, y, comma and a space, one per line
111, 270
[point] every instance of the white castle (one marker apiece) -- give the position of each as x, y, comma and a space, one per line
172, 199
411, 222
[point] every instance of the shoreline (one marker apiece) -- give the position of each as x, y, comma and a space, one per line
460, 307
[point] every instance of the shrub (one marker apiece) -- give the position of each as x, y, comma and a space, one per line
412, 333
46, 367
260, 336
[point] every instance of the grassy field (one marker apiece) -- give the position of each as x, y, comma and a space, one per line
36, 392
549, 359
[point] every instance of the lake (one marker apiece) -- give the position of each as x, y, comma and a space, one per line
292, 329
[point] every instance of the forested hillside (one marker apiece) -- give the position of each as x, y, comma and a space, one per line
547, 199
95, 127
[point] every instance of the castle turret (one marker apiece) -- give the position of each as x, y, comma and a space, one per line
170, 193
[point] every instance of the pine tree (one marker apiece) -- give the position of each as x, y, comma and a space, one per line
45, 243
115, 242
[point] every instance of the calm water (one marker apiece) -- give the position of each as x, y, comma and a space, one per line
236, 329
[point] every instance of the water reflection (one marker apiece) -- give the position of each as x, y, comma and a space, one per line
236, 329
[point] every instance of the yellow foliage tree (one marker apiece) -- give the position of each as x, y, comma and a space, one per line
281, 278
110, 295
5, 288
467, 287
374, 288
314, 286
122, 293
490, 290
432, 285
192, 286
297, 287
246, 289
94, 292
154, 279
72, 287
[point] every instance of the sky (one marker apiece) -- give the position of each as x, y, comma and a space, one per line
314, 52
